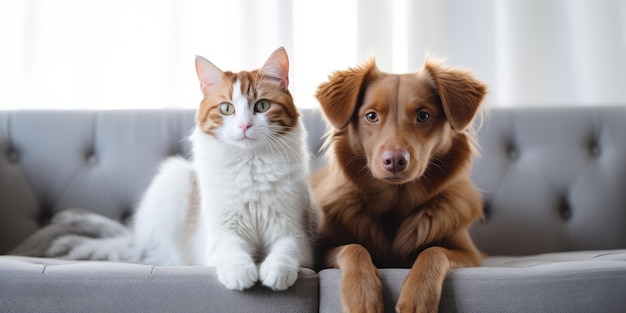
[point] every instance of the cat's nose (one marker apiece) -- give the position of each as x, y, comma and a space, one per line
244, 127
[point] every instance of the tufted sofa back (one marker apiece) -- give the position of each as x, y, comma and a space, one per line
553, 179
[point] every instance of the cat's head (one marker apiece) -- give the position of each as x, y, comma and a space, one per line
248, 108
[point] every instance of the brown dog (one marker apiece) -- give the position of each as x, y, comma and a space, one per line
396, 190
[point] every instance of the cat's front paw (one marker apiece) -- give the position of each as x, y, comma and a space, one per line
278, 275
238, 275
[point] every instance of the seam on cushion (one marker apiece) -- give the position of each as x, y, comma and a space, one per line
589, 166
596, 130
69, 181
64, 186
505, 173
563, 201
27, 180
564, 194
107, 183
607, 254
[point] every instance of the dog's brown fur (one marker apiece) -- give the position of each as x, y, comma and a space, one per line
396, 191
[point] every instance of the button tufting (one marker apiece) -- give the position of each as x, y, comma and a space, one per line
45, 215
13, 156
126, 214
486, 211
594, 149
565, 210
92, 159
512, 153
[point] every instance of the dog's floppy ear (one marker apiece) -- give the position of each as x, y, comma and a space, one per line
460, 93
340, 95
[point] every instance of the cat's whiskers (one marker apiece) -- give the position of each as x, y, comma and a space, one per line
282, 139
287, 146
271, 144
290, 143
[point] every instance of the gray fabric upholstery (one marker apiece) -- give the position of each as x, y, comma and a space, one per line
585, 281
553, 182
44, 285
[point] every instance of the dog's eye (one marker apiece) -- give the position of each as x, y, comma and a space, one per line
371, 117
423, 117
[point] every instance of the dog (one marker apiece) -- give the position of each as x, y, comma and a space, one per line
396, 188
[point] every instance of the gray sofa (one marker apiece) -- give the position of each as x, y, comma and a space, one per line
553, 179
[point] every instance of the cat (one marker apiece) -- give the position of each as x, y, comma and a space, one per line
241, 204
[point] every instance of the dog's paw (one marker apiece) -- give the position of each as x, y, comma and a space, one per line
411, 305
238, 275
414, 298
362, 301
278, 275
419, 295
361, 294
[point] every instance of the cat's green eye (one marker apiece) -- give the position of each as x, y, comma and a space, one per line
227, 108
262, 106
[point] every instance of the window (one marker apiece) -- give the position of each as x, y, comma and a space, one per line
113, 54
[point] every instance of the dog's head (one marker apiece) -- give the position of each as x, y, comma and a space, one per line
400, 122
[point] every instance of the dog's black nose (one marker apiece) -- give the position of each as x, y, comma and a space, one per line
395, 161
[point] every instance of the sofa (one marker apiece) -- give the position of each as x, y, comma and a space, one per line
554, 233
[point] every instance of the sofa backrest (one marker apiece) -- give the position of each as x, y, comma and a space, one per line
552, 179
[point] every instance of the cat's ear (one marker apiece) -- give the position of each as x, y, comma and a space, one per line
210, 76
277, 67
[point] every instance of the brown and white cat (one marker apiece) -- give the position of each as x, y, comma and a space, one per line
241, 204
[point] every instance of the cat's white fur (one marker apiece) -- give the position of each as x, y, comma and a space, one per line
247, 216
252, 202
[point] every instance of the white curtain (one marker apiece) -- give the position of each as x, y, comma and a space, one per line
98, 54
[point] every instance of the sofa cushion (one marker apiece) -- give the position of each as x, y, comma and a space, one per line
583, 281
45, 285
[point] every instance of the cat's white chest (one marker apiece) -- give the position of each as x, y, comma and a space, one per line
255, 176
259, 196
229, 173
